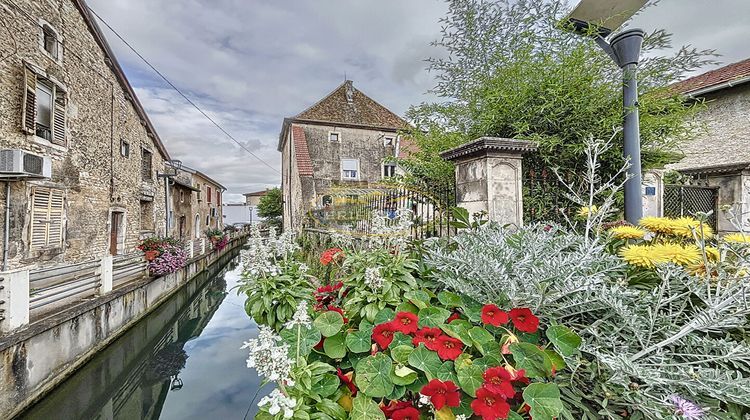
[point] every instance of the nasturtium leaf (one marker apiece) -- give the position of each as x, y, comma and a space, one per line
480, 338
530, 358
326, 385
446, 372
384, 315
359, 341
565, 340
366, 326
472, 309
332, 409
403, 375
308, 338
512, 415
397, 393
458, 329
329, 323
407, 307
372, 375
544, 400
364, 408
419, 298
432, 316
445, 413
335, 346
486, 362
469, 377
557, 361
400, 339
401, 353
450, 299
425, 360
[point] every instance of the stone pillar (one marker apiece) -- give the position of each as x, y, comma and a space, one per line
653, 193
14, 299
105, 275
488, 177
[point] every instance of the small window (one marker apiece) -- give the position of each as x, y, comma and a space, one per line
389, 170
44, 109
327, 200
200, 192
147, 215
350, 169
124, 148
208, 220
334, 137
389, 141
50, 42
208, 194
146, 165
182, 196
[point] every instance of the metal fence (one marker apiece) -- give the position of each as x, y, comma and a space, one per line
544, 195
54, 286
687, 200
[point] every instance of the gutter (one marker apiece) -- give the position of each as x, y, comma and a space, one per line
721, 86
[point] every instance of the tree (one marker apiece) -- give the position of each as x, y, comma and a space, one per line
271, 207
512, 72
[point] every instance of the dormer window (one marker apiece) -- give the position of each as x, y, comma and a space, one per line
389, 141
334, 137
49, 41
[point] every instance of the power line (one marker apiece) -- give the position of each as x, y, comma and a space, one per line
180, 92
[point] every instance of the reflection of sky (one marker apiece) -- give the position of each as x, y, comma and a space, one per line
217, 383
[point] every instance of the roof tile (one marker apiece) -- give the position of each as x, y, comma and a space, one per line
304, 163
715, 77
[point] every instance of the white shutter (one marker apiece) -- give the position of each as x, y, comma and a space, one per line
28, 119
58, 117
349, 164
47, 214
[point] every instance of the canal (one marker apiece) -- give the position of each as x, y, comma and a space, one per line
183, 361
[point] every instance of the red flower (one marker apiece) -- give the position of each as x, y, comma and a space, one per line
497, 380
428, 336
346, 378
320, 343
151, 255
489, 405
383, 334
493, 315
442, 393
394, 406
524, 320
408, 413
331, 255
326, 295
454, 316
449, 348
406, 322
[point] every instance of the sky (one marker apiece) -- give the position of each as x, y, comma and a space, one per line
250, 63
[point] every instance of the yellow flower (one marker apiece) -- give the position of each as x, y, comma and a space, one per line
678, 254
638, 255
584, 211
657, 224
738, 237
684, 227
712, 253
627, 232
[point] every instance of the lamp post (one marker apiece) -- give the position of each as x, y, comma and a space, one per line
176, 165
598, 18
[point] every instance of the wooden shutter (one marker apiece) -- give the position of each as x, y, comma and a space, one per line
47, 209
28, 120
58, 118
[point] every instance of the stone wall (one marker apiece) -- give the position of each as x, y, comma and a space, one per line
95, 177
202, 206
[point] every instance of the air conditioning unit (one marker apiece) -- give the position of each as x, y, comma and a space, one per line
16, 163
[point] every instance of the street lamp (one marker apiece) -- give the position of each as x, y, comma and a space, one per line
176, 165
598, 18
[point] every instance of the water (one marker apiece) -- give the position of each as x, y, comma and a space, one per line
183, 361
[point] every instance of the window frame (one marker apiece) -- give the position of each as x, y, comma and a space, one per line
356, 172
124, 148
150, 177
53, 194
48, 87
389, 141
337, 134
208, 194
389, 165
46, 28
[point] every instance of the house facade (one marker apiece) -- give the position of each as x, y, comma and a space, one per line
79, 154
720, 156
253, 198
345, 140
208, 207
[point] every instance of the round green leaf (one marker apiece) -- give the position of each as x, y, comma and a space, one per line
528, 357
447, 372
308, 338
364, 408
432, 316
403, 375
335, 346
469, 377
458, 329
425, 360
565, 340
401, 353
407, 307
450, 299
373, 375
359, 341
329, 323
544, 401
326, 385
419, 298
384, 315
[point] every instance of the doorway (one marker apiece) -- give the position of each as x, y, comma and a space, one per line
117, 232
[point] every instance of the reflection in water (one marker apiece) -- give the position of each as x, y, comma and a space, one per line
181, 362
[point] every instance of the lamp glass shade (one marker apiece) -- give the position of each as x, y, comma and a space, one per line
605, 14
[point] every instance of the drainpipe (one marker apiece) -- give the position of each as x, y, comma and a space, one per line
6, 226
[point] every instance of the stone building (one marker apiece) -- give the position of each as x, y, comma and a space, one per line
207, 204
253, 198
195, 204
80, 155
344, 140
720, 157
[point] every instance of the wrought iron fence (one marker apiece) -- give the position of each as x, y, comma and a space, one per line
544, 195
687, 200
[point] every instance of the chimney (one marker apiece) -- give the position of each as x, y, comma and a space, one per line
350, 91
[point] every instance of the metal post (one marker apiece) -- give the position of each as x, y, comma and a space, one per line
167, 205
14, 299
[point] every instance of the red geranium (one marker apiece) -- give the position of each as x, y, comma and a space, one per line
406, 322
394, 406
408, 413
497, 380
493, 315
524, 320
454, 316
489, 405
346, 378
331, 255
449, 348
442, 393
151, 255
428, 336
326, 295
383, 334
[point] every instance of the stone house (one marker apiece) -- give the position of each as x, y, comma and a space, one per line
720, 157
345, 140
195, 204
253, 198
79, 154
208, 207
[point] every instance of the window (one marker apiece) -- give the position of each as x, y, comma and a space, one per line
208, 194
389, 170
218, 197
389, 141
124, 148
349, 168
327, 200
50, 42
147, 215
198, 186
146, 165
182, 196
208, 220
47, 213
334, 137
44, 108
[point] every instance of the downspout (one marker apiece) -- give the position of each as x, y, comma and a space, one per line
6, 226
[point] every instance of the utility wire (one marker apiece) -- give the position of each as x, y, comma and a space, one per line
180, 92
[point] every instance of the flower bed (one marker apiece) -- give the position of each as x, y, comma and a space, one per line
219, 240
164, 255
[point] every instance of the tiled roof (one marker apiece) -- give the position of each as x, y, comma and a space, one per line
359, 109
256, 193
713, 78
302, 154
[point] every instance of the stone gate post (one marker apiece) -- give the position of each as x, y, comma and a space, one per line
489, 177
14, 299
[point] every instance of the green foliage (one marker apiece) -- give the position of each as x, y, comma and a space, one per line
271, 206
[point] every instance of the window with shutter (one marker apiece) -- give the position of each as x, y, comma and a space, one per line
47, 215
208, 194
28, 122
58, 118
44, 108
350, 169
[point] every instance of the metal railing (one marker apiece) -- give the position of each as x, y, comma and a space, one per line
126, 268
51, 285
